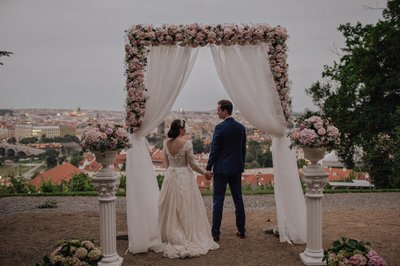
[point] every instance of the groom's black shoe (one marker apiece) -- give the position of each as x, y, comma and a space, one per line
216, 238
240, 235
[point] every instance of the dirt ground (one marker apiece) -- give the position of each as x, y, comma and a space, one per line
26, 237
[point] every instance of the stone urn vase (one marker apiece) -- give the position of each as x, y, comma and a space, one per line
106, 158
314, 155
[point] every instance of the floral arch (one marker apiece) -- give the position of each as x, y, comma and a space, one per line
140, 37
148, 101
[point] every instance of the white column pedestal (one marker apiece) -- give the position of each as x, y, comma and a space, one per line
106, 182
315, 179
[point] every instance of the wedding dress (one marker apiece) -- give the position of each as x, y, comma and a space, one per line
183, 221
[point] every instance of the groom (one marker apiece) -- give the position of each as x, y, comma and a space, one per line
226, 161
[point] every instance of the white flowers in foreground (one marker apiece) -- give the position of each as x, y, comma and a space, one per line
73, 252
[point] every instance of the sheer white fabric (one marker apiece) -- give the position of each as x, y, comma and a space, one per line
289, 198
167, 71
183, 221
247, 78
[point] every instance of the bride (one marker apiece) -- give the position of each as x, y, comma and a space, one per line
183, 221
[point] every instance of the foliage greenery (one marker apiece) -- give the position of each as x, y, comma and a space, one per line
80, 182
361, 95
258, 155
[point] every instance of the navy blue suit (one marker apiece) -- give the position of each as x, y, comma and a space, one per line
226, 160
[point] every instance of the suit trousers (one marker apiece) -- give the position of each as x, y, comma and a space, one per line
220, 182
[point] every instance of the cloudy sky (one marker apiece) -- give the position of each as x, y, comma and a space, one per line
70, 54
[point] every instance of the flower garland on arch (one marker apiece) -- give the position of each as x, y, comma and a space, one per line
140, 37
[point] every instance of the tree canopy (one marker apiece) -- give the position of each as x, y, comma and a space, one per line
361, 94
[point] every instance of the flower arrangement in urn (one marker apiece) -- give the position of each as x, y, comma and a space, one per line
73, 252
314, 132
105, 137
352, 252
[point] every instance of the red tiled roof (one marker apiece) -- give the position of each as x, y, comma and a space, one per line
121, 158
157, 155
57, 175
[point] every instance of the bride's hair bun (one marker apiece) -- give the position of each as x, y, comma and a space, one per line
176, 125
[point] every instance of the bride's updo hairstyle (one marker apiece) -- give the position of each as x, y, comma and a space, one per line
176, 125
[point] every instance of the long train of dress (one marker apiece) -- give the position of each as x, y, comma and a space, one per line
184, 226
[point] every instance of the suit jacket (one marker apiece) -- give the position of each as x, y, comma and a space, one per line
228, 148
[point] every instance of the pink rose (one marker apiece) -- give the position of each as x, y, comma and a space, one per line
321, 131
318, 124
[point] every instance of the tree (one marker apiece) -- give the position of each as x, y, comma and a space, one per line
361, 92
51, 157
28, 140
5, 53
258, 155
198, 145
69, 138
76, 159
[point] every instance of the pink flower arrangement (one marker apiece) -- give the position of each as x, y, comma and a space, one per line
314, 132
105, 137
353, 253
140, 37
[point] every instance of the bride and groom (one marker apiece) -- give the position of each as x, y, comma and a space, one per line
183, 221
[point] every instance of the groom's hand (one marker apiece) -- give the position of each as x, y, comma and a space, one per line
208, 175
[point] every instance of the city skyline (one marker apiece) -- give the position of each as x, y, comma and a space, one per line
70, 54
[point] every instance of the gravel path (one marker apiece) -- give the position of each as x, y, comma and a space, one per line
253, 203
370, 217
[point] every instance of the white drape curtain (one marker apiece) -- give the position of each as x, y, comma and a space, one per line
167, 72
246, 75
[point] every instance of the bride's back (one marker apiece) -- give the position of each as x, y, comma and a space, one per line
176, 152
175, 145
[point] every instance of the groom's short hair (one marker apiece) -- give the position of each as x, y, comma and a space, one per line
226, 105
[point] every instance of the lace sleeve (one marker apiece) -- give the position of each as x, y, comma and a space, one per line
191, 161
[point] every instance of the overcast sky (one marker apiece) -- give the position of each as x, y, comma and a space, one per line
70, 53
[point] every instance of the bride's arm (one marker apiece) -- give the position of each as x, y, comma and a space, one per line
192, 162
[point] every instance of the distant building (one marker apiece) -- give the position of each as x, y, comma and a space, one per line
5, 133
24, 131
67, 130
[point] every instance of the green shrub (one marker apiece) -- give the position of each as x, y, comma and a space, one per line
160, 180
80, 182
48, 187
122, 182
18, 185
